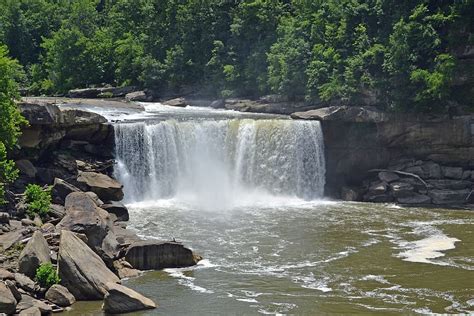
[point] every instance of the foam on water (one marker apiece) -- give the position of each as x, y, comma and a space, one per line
428, 248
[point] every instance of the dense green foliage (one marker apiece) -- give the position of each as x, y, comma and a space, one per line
46, 275
10, 117
38, 200
397, 54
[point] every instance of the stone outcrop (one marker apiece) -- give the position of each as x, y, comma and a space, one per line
105, 187
149, 255
179, 102
82, 271
121, 299
138, 96
60, 296
353, 114
7, 301
102, 92
35, 253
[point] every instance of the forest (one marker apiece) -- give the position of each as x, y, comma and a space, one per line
402, 55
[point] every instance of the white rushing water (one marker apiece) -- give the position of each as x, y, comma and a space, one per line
220, 164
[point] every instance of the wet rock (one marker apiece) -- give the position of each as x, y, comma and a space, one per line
344, 114
25, 283
418, 170
33, 255
60, 295
415, 199
82, 271
179, 102
388, 177
105, 187
378, 188
452, 197
118, 209
152, 255
452, 172
7, 300
100, 92
28, 302
401, 189
79, 201
60, 190
218, 104
26, 167
121, 299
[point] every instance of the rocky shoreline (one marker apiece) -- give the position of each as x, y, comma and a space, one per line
84, 235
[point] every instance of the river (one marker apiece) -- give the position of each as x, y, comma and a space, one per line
245, 192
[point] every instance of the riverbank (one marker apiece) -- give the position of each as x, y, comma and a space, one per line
84, 235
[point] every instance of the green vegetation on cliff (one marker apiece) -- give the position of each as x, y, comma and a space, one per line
10, 117
398, 54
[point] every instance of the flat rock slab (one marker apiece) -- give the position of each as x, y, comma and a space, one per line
121, 299
104, 186
152, 255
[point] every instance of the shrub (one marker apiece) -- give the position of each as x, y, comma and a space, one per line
46, 275
38, 200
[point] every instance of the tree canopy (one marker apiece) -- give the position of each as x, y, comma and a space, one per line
401, 55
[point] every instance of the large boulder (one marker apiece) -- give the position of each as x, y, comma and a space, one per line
152, 255
7, 301
61, 189
33, 255
180, 102
26, 167
118, 209
82, 271
60, 295
25, 283
29, 303
357, 114
32, 311
138, 96
104, 186
121, 299
401, 189
449, 197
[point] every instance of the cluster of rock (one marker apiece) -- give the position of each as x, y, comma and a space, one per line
84, 235
416, 182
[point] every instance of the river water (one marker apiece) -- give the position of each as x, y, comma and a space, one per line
246, 194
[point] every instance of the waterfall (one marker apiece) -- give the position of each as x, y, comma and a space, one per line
220, 163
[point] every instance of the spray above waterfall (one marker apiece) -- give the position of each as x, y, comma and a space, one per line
220, 164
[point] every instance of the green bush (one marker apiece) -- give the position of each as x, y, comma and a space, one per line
38, 200
46, 275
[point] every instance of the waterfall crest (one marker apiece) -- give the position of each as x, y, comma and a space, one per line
220, 163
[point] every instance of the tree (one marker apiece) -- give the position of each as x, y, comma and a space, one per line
10, 117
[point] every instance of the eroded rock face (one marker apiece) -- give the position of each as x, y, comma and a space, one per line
104, 186
152, 255
82, 271
7, 301
60, 296
35, 253
121, 299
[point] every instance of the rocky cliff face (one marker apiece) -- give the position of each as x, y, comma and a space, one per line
358, 139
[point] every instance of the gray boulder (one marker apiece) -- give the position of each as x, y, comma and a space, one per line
33, 255
26, 167
180, 102
350, 194
451, 197
138, 96
452, 172
6, 275
388, 176
79, 201
60, 190
121, 299
11, 285
118, 209
27, 303
401, 189
60, 296
415, 199
431, 170
4, 218
104, 186
358, 114
25, 283
7, 300
32, 311
82, 271
152, 255
56, 210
